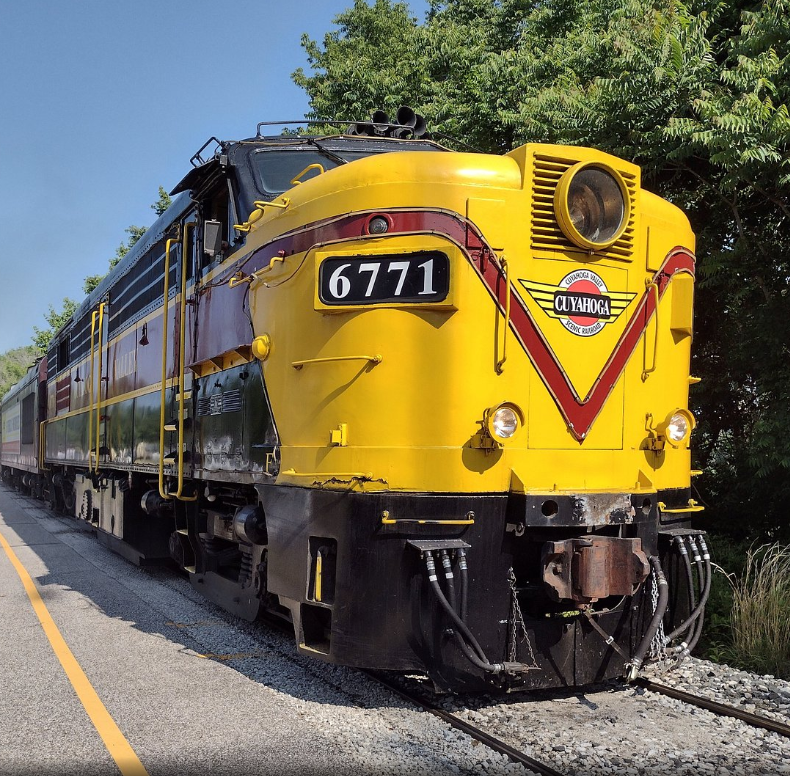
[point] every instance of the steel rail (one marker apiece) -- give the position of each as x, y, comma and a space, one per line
717, 708
465, 727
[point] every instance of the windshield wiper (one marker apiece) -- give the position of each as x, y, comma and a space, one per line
326, 152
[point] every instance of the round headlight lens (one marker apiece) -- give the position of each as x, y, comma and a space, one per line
591, 206
678, 427
504, 422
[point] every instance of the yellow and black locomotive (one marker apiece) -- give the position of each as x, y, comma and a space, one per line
430, 406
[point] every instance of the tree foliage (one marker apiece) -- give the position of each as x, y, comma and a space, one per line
163, 203
695, 92
13, 365
56, 318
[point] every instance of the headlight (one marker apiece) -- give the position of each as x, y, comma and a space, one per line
503, 420
504, 423
678, 426
591, 204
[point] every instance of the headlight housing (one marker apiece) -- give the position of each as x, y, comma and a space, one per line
592, 205
678, 426
503, 421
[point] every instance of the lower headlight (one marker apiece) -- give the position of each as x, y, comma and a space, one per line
504, 423
503, 420
679, 426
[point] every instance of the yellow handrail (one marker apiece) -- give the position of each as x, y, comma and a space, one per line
387, 520
94, 315
651, 285
181, 369
501, 363
377, 359
98, 384
693, 506
163, 387
296, 180
256, 214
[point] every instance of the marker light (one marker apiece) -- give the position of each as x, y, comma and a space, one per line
378, 225
591, 204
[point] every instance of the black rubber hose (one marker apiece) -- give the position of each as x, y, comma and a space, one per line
704, 583
658, 616
707, 573
462, 567
448, 575
480, 659
689, 575
686, 624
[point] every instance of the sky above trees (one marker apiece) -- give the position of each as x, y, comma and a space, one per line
103, 102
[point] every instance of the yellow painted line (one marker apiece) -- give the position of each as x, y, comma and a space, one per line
120, 749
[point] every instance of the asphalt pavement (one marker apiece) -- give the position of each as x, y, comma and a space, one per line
139, 636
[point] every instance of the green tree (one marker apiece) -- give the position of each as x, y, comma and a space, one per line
135, 233
695, 92
55, 319
163, 203
13, 365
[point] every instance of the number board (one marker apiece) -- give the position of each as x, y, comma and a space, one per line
406, 278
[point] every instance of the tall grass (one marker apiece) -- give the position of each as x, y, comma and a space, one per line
761, 612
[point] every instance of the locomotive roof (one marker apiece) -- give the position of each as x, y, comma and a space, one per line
203, 169
209, 160
153, 234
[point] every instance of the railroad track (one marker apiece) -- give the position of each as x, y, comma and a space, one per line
471, 730
721, 709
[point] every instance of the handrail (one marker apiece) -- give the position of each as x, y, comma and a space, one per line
377, 359
296, 180
500, 365
693, 506
94, 315
163, 386
387, 520
181, 368
260, 205
99, 382
651, 284
239, 278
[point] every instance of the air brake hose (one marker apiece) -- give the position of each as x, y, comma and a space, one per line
448, 575
704, 581
464, 569
707, 573
689, 575
686, 624
658, 616
479, 659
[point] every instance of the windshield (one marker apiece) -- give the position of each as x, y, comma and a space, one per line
275, 169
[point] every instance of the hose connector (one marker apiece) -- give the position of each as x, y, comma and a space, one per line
430, 565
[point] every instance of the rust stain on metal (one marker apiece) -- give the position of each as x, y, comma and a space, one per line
589, 569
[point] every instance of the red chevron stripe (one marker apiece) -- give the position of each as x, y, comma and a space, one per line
579, 414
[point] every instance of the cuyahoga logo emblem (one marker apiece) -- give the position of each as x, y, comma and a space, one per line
581, 302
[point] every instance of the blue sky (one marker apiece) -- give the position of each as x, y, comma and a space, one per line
103, 101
